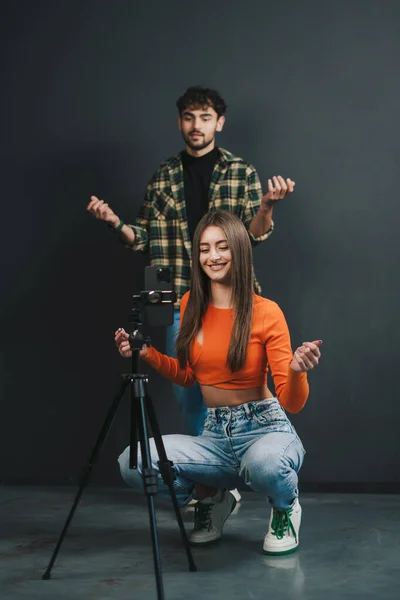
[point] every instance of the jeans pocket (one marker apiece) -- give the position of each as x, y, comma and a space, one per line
273, 418
209, 422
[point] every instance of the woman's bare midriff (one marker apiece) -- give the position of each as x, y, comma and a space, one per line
215, 397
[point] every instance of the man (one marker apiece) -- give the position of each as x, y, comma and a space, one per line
201, 178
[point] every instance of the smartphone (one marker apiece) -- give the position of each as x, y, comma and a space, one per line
159, 279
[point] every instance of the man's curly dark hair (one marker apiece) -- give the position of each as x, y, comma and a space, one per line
200, 96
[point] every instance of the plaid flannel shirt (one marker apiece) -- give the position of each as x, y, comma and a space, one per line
162, 228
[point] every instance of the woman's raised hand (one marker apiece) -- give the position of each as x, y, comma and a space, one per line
306, 357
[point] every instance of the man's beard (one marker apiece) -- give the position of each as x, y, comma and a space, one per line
198, 146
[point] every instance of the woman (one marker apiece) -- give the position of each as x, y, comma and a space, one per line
228, 339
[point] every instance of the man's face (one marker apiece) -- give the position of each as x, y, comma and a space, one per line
198, 126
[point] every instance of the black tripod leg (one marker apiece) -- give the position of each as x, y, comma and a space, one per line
149, 480
87, 472
168, 477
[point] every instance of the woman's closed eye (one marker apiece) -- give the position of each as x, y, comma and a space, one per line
220, 248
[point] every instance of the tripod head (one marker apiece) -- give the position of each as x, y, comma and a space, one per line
136, 337
154, 308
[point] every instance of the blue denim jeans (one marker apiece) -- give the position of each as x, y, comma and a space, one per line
253, 444
190, 399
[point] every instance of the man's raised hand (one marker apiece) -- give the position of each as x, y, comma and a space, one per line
102, 211
278, 188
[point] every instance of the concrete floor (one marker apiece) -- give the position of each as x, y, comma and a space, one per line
350, 548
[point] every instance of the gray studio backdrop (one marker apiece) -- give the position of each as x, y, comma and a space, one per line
88, 107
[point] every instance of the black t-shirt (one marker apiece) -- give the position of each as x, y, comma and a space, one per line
197, 172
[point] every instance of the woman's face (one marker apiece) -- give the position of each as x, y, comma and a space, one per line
215, 256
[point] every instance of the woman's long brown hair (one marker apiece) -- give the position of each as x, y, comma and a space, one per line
242, 282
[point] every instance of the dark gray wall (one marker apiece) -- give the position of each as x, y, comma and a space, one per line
88, 107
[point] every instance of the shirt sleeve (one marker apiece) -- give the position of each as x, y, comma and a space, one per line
253, 195
291, 387
141, 229
169, 367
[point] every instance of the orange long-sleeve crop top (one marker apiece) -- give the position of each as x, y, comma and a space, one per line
269, 347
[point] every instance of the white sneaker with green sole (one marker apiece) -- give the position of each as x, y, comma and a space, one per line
283, 531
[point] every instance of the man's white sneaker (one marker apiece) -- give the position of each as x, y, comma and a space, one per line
283, 531
210, 515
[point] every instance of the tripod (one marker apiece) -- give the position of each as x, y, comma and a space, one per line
142, 412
